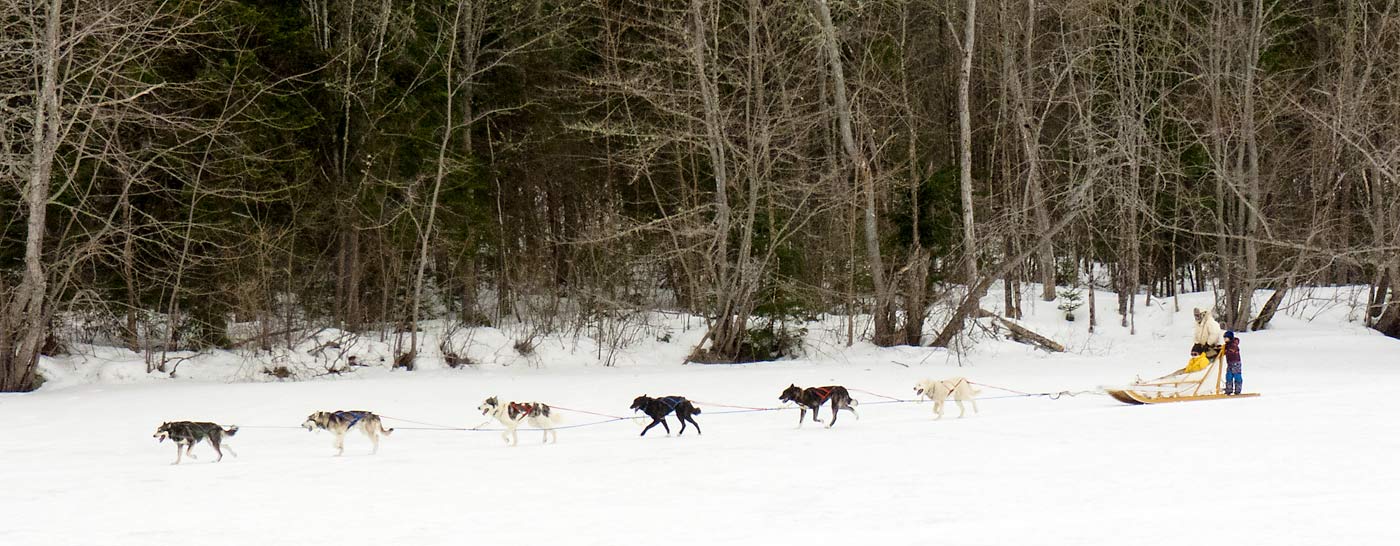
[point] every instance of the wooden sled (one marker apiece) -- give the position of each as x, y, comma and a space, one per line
1188, 387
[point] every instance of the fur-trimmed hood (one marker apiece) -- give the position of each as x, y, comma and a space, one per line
1207, 331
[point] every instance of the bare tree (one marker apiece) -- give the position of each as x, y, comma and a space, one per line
25, 321
967, 45
1018, 62
90, 133
884, 312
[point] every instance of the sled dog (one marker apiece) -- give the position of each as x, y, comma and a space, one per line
813, 397
186, 434
658, 408
510, 414
939, 390
342, 422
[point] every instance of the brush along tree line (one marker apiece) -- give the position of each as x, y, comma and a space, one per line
171, 168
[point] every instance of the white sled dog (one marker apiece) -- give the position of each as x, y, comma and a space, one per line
938, 390
510, 414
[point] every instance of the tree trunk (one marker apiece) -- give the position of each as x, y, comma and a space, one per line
971, 302
1217, 66
130, 330
1254, 193
1028, 129
1270, 308
965, 142
726, 334
1389, 321
1011, 298
427, 231
1021, 334
916, 297
1093, 306
27, 322
354, 313
883, 312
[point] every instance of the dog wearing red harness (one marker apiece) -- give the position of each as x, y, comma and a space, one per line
813, 397
511, 414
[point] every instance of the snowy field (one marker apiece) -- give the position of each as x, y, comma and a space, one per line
1311, 461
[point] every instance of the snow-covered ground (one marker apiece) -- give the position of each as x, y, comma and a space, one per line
1311, 461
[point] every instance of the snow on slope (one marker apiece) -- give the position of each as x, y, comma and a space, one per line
1311, 461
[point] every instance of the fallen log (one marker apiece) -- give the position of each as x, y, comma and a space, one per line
1022, 334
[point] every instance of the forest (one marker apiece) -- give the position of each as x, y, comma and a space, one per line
172, 168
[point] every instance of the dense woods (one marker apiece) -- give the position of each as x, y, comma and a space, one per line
171, 168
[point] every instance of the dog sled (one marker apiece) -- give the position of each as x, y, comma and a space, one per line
1204, 384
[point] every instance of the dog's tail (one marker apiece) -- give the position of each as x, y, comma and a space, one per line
385, 431
232, 429
695, 409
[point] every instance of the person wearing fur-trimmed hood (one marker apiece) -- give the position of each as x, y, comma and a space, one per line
1208, 336
1206, 341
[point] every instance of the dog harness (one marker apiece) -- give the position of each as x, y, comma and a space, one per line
671, 402
194, 432
525, 409
823, 393
354, 416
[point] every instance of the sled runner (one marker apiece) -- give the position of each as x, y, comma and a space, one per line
1184, 387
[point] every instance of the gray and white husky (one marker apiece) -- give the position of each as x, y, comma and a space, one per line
342, 422
186, 434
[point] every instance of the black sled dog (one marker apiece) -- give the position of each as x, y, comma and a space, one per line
658, 408
813, 397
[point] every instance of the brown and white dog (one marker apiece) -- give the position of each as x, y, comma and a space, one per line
813, 397
341, 422
510, 414
939, 390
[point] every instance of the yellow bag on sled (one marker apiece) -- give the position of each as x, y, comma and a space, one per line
1198, 363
